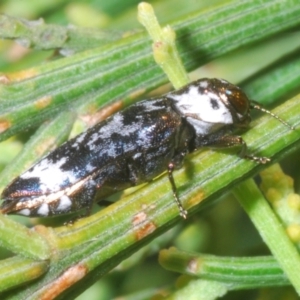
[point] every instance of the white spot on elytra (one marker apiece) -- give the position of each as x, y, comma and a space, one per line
149, 105
64, 203
50, 175
203, 84
115, 125
24, 212
90, 168
80, 138
43, 210
110, 150
137, 155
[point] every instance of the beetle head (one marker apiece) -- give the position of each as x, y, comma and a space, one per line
209, 104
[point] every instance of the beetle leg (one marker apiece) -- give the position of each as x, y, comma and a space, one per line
234, 141
182, 211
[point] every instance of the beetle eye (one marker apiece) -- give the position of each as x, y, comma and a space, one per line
238, 99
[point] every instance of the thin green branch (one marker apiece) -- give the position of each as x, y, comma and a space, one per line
19, 270
164, 49
200, 290
284, 75
19, 239
253, 272
271, 229
278, 189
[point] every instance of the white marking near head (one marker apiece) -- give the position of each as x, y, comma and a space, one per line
64, 203
224, 97
202, 106
204, 128
43, 210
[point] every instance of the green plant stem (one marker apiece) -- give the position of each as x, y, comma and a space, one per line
270, 229
164, 48
200, 290
284, 75
253, 272
19, 239
19, 270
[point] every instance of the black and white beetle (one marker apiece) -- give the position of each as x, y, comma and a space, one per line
131, 147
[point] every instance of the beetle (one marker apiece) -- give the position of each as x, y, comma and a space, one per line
132, 147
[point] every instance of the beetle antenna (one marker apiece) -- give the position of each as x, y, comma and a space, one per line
255, 105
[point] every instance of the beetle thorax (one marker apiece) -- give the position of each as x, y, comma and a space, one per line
207, 105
